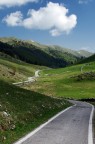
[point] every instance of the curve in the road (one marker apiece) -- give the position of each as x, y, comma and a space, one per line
68, 127
30, 79
90, 129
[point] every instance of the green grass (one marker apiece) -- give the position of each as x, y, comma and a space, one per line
22, 110
62, 82
14, 71
26, 110
29, 107
89, 67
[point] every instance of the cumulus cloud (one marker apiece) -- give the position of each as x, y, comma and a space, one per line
14, 19
10, 3
54, 17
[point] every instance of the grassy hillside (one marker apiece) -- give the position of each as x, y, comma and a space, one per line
69, 82
14, 70
78, 54
47, 48
22, 110
32, 52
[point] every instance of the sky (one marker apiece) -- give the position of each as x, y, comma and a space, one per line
67, 23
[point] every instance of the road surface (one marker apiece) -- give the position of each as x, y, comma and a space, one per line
71, 127
29, 80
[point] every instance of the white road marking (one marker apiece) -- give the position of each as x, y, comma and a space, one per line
90, 130
40, 127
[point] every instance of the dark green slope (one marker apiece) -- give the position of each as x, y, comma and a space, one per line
62, 50
89, 59
31, 54
35, 53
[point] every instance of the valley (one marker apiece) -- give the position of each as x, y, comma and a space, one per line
64, 74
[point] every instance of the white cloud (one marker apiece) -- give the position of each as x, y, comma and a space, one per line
87, 48
10, 3
54, 32
84, 1
14, 19
54, 17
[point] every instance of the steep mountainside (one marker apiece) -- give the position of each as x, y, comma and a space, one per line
31, 54
35, 53
81, 53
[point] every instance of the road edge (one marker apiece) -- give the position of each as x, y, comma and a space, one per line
90, 128
41, 126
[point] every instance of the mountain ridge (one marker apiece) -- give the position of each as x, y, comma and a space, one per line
35, 53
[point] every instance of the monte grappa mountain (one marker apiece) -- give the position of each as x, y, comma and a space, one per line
38, 54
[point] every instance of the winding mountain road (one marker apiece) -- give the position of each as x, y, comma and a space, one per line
29, 80
72, 126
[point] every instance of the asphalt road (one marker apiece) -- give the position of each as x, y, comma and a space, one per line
71, 127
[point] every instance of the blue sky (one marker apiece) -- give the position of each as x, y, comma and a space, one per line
68, 23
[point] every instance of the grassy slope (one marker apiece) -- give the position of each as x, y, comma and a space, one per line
14, 70
25, 111
22, 110
65, 83
47, 48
